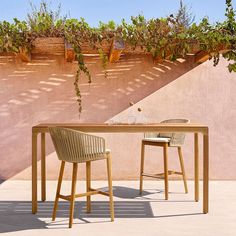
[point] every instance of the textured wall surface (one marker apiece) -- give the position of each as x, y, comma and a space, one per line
205, 95
42, 91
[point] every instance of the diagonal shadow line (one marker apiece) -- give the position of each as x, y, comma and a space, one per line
177, 215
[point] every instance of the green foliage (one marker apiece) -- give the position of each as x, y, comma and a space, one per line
230, 14
217, 38
134, 33
14, 36
75, 33
110, 26
104, 59
45, 22
230, 29
163, 38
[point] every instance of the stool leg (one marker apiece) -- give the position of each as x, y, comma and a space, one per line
58, 190
182, 169
142, 168
72, 198
110, 186
166, 170
88, 184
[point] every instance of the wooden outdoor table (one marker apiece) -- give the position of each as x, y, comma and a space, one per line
124, 128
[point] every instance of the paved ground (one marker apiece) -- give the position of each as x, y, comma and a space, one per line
134, 215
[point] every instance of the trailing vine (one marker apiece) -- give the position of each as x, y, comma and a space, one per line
230, 26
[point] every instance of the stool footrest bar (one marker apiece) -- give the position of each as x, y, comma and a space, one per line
92, 192
161, 175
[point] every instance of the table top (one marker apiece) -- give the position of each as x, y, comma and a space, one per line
124, 127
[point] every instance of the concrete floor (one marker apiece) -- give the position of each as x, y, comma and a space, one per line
134, 215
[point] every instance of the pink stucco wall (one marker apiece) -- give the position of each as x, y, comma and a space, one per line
206, 95
42, 91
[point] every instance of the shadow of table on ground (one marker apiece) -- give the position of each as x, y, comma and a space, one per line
17, 216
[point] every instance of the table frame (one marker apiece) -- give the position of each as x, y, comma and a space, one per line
123, 128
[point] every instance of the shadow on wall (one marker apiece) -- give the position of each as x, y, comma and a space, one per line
42, 91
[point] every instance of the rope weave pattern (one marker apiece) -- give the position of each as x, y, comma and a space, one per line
77, 147
176, 139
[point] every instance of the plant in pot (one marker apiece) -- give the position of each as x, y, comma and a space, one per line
230, 28
163, 38
217, 39
46, 27
14, 38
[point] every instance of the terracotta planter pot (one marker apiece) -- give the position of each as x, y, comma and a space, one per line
223, 49
49, 46
158, 60
24, 54
88, 49
117, 48
138, 50
69, 52
194, 47
7, 54
201, 57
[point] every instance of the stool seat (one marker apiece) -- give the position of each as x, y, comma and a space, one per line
158, 140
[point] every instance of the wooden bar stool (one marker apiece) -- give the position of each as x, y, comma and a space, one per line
164, 140
77, 147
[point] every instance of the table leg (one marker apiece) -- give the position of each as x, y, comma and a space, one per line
205, 173
34, 173
43, 168
196, 167
88, 184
